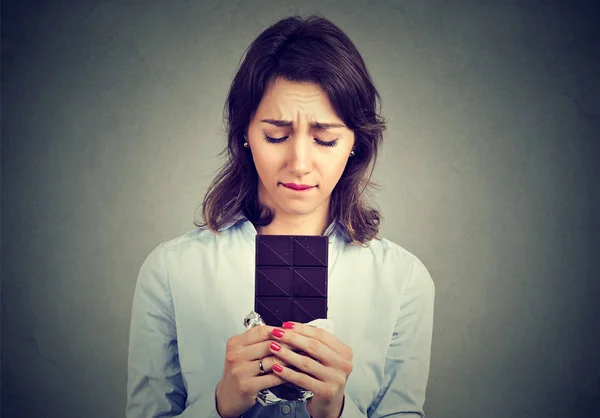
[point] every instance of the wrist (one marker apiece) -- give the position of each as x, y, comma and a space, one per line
217, 406
341, 407
337, 412
331, 411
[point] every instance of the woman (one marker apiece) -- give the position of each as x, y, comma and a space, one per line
302, 110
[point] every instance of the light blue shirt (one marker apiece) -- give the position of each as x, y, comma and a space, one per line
193, 292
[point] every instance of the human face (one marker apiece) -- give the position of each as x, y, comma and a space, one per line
296, 138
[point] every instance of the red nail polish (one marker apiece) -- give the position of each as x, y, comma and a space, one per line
277, 368
288, 325
278, 333
274, 346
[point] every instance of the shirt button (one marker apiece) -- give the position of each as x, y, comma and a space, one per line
286, 409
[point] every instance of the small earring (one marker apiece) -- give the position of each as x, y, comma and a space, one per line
245, 145
352, 154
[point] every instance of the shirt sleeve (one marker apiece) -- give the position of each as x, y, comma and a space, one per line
155, 386
406, 369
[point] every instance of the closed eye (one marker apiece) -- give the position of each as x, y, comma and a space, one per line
274, 140
323, 143
327, 143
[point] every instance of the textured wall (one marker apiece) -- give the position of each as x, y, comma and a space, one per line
111, 121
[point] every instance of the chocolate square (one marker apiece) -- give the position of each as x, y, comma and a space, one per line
273, 310
307, 309
308, 251
274, 281
274, 250
309, 282
291, 278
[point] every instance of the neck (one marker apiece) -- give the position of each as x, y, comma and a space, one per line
284, 224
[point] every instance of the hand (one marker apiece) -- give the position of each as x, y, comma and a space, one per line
324, 371
242, 379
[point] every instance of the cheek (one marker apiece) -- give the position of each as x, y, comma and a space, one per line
265, 166
334, 172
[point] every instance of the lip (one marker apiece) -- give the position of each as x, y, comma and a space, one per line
297, 187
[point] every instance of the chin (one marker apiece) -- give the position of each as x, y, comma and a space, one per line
298, 209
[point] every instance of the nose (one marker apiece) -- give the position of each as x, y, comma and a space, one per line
300, 156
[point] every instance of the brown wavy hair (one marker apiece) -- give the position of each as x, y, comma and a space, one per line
298, 49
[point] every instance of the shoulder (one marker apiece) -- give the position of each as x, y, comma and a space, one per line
419, 280
384, 247
383, 250
197, 236
193, 241
204, 239
404, 264
406, 257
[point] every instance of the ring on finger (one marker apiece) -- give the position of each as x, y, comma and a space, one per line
261, 367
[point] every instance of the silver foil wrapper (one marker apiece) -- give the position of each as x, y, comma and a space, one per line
282, 393
253, 319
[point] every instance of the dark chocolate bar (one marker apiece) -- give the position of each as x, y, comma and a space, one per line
291, 278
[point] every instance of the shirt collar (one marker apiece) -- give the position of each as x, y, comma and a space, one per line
332, 230
236, 219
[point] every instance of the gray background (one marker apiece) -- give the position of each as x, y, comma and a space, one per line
111, 122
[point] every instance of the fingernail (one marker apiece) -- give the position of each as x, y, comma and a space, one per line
288, 325
277, 368
278, 333
274, 346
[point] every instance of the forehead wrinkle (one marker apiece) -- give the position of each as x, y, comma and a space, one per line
304, 111
295, 105
311, 121
303, 97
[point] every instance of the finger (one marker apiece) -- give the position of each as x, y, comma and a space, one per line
303, 363
322, 335
265, 381
257, 351
252, 368
254, 335
300, 379
271, 360
258, 334
311, 346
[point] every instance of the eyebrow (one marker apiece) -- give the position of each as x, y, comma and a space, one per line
315, 125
